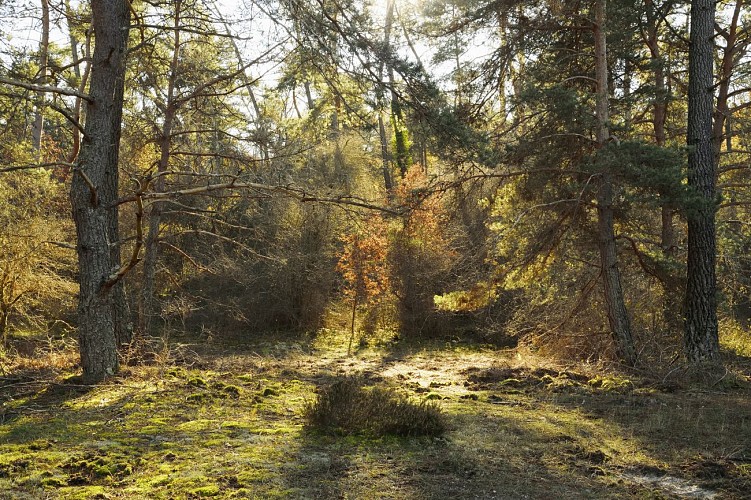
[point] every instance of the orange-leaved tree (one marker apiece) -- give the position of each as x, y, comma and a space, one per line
421, 254
364, 267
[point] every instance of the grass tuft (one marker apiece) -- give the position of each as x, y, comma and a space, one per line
348, 407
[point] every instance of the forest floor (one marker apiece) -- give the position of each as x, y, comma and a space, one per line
225, 420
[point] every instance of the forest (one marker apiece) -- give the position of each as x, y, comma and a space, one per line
375, 249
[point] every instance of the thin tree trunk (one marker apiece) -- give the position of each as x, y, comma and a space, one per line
671, 307
70, 18
701, 342
44, 45
309, 96
352, 324
4, 315
730, 57
385, 157
84, 79
388, 183
502, 15
264, 146
94, 191
122, 316
397, 123
151, 257
618, 318
401, 153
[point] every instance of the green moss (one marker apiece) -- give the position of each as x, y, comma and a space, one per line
84, 493
197, 382
235, 424
211, 490
198, 425
199, 397
280, 430
232, 391
54, 482
40, 444
254, 475
159, 480
175, 372
608, 384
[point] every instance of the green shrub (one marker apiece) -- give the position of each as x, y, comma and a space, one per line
348, 407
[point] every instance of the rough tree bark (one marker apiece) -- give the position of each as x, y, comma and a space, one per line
701, 342
94, 192
618, 318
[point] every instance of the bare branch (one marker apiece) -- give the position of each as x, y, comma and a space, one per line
32, 166
288, 190
134, 258
187, 257
45, 88
92, 187
71, 118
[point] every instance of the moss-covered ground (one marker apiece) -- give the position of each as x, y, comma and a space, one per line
224, 420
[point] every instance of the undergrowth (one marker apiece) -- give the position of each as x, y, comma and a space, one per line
347, 406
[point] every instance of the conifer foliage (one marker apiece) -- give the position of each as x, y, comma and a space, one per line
570, 175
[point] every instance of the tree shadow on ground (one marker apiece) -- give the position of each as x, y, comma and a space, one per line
503, 461
699, 434
236, 430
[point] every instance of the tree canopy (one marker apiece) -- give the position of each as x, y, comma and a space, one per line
570, 175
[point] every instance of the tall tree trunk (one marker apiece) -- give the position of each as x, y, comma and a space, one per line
401, 152
82, 75
730, 57
94, 192
388, 183
618, 318
151, 257
385, 157
70, 19
701, 342
44, 45
671, 285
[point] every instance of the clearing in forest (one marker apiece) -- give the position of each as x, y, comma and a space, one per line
227, 421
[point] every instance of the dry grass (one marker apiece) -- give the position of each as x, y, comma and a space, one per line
346, 406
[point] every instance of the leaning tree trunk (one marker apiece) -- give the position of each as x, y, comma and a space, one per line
620, 325
94, 192
701, 342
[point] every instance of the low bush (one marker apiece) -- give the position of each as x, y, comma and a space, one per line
347, 406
